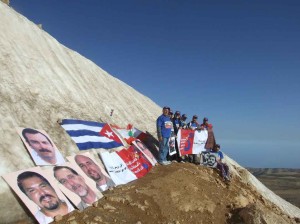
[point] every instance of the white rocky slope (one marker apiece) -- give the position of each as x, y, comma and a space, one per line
288, 208
42, 81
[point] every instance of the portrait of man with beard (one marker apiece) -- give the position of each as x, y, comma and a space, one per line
38, 189
71, 180
41, 148
93, 171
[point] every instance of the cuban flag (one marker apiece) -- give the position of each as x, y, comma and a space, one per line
90, 134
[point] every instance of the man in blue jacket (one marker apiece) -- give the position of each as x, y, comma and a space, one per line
164, 126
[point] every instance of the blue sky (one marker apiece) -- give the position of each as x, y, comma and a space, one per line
235, 62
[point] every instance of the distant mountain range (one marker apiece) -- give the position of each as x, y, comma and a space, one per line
284, 182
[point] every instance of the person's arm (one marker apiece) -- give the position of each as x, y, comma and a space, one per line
180, 124
158, 127
188, 126
221, 156
198, 126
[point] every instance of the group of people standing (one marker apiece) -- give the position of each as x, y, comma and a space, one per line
168, 125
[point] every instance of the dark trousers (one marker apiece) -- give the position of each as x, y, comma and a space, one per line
192, 158
223, 168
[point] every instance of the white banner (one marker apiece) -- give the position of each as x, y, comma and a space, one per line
200, 139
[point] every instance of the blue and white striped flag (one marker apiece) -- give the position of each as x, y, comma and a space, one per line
90, 134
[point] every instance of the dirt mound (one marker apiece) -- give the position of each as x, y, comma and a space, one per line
180, 193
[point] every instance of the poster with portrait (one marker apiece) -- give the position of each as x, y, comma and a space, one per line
92, 169
40, 147
172, 147
71, 180
38, 191
208, 159
143, 148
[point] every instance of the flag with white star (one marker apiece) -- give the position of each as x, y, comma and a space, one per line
90, 134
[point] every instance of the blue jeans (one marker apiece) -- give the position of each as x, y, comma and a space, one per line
163, 149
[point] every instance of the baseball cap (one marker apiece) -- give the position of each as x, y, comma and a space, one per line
165, 107
184, 116
177, 112
205, 119
195, 116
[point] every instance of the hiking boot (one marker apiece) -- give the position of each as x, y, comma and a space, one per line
164, 163
226, 178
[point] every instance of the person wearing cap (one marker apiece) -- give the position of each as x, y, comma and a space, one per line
183, 121
164, 127
171, 115
176, 122
206, 124
211, 141
223, 167
193, 124
183, 126
176, 125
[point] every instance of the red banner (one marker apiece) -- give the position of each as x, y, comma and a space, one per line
135, 161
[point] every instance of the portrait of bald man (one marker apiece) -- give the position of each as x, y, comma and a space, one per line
41, 148
73, 181
93, 171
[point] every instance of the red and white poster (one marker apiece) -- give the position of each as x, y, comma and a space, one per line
185, 139
145, 151
191, 141
135, 161
117, 168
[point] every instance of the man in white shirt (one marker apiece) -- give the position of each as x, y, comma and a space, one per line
38, 189
42, 150
93, 171
70, 179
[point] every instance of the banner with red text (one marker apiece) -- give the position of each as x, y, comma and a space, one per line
117, 168
135, 161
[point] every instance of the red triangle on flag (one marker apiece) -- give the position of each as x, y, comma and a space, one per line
109, 133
